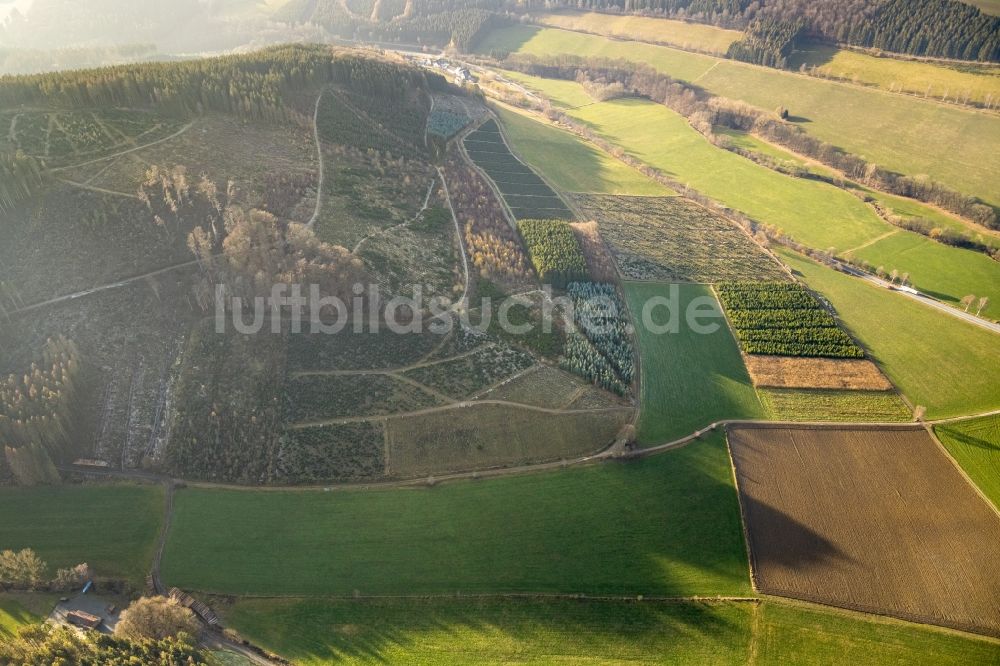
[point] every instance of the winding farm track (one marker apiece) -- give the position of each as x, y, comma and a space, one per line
319, 160
452, 406
609, 453
463, 301
94, 290
127, 151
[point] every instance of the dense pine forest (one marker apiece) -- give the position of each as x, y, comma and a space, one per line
250, 85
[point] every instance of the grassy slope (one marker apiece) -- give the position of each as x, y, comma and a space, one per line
566, 94
318, 631
975, 444
908, 75
906, 134
901, 206
111, 528
668, 525
696, 36
688, 380
816, 214
884, 73
936, 360
571, 164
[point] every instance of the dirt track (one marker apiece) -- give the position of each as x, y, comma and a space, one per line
874, 520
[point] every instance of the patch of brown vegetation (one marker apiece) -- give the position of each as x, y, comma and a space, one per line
878, 520
600, 263
820, 373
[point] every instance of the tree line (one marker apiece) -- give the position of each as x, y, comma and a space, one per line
767, 42
252, 85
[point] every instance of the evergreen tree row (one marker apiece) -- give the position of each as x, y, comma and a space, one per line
767, 42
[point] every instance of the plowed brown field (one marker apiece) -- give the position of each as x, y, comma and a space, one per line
877, 520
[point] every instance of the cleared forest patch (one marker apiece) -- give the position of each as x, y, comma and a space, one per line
875, 520
489, 435
675, 240
527, 195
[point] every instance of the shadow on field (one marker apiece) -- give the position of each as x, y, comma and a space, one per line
781, 544
970, 440
481, 631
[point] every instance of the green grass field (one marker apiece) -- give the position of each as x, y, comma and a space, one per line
688, 380
694, 36
830, 405
565, 94
18, 609
112, 528
573, 165
667, 525
936, 360
817, 214
975, 444
903, 133
315, 632
885, 73
975, 81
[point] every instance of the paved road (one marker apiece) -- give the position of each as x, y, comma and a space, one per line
926, 300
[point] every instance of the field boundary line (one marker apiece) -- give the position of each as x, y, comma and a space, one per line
968, 479
605, 455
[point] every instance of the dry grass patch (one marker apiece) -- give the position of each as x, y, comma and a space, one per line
851, 374
875, 519
600, 263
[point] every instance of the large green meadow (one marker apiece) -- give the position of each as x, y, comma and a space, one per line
315, 632
949, 366
571, 164
975, 444
687, 379
112, 528
667, 525
904, 133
